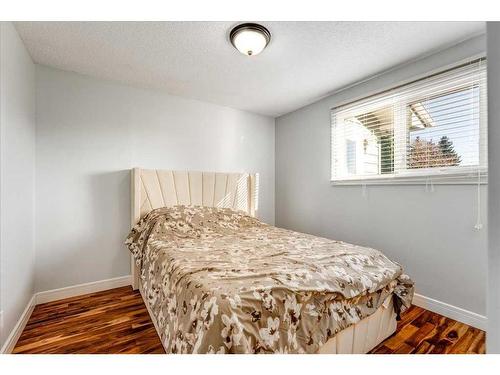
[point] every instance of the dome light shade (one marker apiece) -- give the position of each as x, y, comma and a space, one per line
250, 38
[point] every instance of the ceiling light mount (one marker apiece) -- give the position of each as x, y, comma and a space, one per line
250, 38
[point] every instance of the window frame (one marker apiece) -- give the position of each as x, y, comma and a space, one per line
451, 175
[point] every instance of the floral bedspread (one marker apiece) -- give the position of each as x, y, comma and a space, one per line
220, 281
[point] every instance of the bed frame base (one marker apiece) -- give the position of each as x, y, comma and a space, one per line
365, 335
360, 338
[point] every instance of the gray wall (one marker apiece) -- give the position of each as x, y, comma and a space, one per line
493, 336
17, 177
91, 132
431, 234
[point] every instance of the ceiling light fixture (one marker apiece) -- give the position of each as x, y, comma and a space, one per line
250, 38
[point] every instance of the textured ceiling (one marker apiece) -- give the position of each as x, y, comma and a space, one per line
304, 61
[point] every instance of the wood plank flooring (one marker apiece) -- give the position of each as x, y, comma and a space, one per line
421, 332
112, 321
116, 321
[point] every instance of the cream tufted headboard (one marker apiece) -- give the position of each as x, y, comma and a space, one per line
154, 188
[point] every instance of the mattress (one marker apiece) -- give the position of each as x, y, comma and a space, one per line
220, 281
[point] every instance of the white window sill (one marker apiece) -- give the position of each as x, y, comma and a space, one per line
451, 179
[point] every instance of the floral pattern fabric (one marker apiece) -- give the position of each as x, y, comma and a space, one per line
220, 281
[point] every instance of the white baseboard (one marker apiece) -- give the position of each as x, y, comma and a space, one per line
11, 341
77, 290
450, 311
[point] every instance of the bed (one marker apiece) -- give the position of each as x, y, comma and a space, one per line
215, 279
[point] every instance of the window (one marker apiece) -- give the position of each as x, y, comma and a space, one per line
351, 156
431, 128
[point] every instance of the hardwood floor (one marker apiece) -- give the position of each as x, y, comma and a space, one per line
116, 321
112, 321
421, 331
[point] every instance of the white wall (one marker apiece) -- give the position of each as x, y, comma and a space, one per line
17, 177
91, 132
431, 234
493, 334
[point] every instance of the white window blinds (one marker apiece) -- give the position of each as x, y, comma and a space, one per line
433, 128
